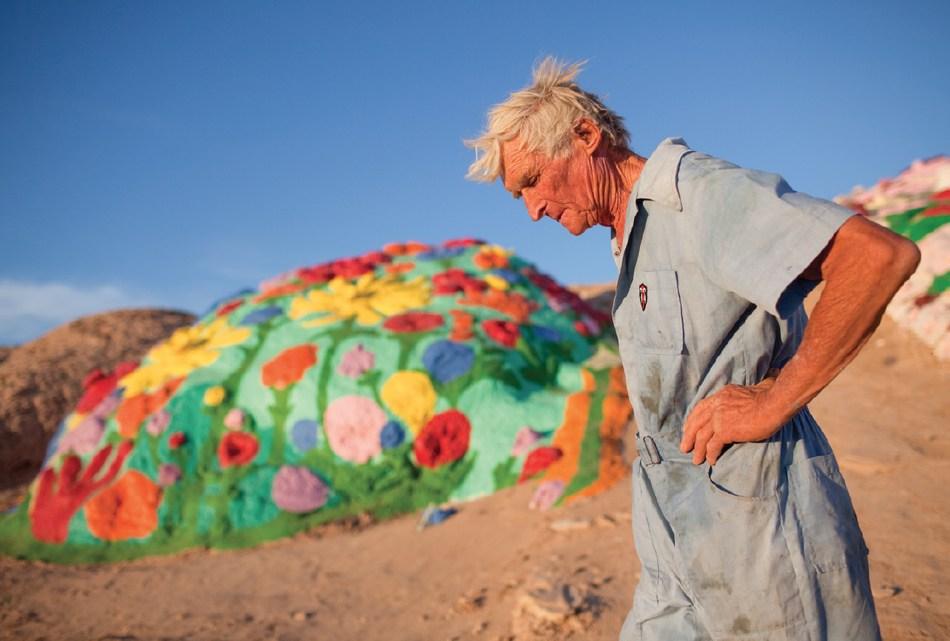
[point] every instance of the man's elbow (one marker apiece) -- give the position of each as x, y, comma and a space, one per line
897, 257
902, 257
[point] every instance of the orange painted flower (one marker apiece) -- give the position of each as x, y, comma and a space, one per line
134, 409
128, 509
491, 257
405, 249
461, 325
284, 289
513, 304
289, 366
400, 268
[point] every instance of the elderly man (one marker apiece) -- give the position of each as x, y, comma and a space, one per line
742, 521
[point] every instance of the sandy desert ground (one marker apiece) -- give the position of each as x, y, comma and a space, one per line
499, 571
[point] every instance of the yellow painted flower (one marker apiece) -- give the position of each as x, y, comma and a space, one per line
368, 299
214, 396
496, 282
410, 396
187, 349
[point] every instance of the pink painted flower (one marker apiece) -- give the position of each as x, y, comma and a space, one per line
84, 438
298, 490
353, 425
157, 422
356, 362
525, 440
168, 474
234, 419
546, 495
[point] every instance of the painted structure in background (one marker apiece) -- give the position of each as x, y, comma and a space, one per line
378, 384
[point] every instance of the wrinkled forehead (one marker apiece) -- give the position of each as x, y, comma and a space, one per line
516, 163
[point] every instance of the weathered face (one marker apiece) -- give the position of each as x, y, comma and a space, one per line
562, 189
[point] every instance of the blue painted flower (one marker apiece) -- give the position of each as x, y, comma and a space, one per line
447, 360
392, 435
304, 434
508, 275
261, 315
441, 252
548, 334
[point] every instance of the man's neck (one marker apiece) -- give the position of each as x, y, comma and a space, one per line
629, 167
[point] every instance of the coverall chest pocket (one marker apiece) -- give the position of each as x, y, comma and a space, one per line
651, 315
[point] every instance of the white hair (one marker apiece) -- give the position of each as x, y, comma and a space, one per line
542, 116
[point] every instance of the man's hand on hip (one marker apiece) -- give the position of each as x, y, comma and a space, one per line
734, 414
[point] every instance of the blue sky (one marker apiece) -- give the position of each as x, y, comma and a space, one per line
170, 153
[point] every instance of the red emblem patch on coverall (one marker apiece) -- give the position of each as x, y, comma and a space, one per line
643, 296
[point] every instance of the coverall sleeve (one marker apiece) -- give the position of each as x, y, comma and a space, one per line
751, 232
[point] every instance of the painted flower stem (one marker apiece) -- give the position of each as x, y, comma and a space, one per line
279, 411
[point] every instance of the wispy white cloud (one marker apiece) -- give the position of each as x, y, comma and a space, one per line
28, 309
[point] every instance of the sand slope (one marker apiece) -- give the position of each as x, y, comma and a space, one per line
499, 571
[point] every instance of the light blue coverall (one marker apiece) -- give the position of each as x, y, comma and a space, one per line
765, 545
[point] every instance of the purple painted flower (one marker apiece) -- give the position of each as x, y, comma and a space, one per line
447, 360
304, 434
393, 435
168, 474
298, 490
547, 334
557, 302
83, 438
525, 440
107, 405
510, 276
157, 422
261, 315
234, 419
438, 253
546, 495
356, 362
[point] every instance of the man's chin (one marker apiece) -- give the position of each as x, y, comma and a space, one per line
576, 226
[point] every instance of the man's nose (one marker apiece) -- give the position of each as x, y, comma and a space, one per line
536, 208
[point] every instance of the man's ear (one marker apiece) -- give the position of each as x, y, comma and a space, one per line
588, 135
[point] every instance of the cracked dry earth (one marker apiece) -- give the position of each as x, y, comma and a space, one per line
497, 571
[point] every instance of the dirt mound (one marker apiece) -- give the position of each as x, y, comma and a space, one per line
41, 380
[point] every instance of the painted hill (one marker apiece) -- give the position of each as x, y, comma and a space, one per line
916, 204
377, 384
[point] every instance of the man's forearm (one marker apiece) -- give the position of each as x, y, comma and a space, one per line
864, 267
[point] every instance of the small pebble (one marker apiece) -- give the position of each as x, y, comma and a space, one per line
570, 525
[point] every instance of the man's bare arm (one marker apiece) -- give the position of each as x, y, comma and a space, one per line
863, 267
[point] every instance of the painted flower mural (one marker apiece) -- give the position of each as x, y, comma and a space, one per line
379, 383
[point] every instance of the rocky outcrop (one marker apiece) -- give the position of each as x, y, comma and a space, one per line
41, 381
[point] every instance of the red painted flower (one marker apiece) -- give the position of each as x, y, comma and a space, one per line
229, 307
237, 448
539, 460
97, 385
456, 280
176, 440
503, 332
59, 494
581, 328
413, 322
444, 439
316, 274
463, 242
289, 366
